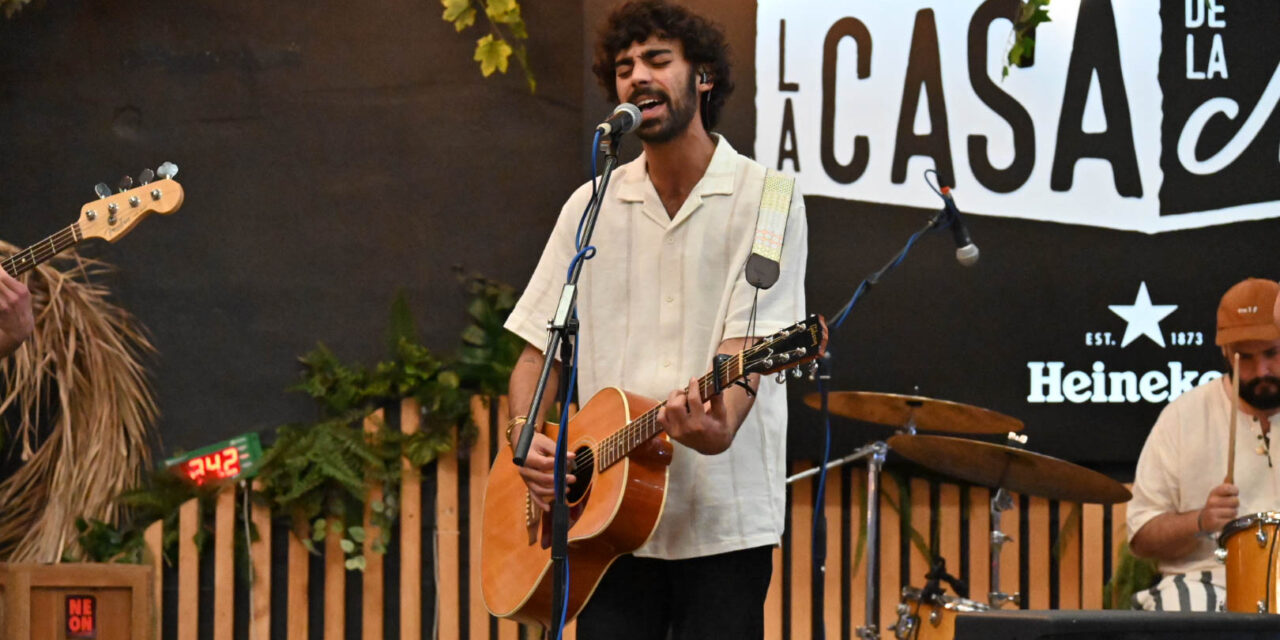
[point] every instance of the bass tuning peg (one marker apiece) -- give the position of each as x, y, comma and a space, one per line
167, 170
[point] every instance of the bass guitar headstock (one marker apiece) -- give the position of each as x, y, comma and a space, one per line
113, 215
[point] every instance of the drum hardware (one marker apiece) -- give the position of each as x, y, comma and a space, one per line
875, 455
940, 622
871, 629
1005, 468
1001, 501
1260, 536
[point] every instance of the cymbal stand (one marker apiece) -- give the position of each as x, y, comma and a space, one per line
1000, 501
875, 454
871, 630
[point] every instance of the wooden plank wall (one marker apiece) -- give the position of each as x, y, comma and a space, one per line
1067, 556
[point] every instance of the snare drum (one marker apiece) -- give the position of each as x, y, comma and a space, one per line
932, 620
1252, 556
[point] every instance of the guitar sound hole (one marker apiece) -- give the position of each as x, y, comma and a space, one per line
583, 468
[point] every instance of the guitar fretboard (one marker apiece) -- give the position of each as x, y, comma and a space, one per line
25, 260
616, 447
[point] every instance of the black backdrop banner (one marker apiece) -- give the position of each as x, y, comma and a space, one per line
336, 153
1126, 178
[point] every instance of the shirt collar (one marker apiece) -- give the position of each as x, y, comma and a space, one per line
716, 180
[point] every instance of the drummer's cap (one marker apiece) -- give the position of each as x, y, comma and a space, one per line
1248, 312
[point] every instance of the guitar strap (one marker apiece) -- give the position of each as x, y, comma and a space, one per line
771, 227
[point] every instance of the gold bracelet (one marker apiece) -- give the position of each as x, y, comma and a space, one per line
512, 424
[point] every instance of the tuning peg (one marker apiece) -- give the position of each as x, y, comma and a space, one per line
126, 183
167, 170
102, 190
146, 176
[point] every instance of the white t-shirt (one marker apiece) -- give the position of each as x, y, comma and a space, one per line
1185, 457
655, 303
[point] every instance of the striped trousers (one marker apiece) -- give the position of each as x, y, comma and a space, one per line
1195, 591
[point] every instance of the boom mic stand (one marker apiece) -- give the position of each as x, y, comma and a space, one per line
562, 327
876, 456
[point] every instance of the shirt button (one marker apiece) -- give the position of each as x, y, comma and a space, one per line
666, 363
670, 299
670, 240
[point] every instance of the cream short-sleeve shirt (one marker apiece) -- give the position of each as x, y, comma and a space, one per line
1185, 457
655, 303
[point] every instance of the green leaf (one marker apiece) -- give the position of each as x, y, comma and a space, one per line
466, 19
453, 9
499, 7
492, 54
347, 545
356, 533
449, 379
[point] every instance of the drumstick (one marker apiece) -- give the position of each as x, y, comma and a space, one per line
1231, 446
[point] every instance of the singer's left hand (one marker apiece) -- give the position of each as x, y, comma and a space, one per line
701, 425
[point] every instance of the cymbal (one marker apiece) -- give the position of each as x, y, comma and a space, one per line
1000, 466
895, 410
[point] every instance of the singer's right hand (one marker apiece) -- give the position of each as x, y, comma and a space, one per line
1220, 508
538, 470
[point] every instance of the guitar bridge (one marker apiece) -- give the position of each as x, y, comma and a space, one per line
532, 518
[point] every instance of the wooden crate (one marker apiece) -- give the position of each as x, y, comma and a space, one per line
35, 600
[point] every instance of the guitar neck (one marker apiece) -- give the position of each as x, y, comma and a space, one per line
617, 446
27, 259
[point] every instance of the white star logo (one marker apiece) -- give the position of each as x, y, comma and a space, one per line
1143, 317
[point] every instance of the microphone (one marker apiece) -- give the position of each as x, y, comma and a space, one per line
966, 250
624, 119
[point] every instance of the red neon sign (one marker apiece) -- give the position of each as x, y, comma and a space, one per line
82, 617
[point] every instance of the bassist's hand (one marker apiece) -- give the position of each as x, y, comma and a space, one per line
16, 320
538, 469
703, 427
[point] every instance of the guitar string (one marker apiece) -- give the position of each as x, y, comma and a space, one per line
29, 255
632, 434
643, 427
40, 251
616, 446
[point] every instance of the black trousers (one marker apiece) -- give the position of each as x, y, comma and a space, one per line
720, 596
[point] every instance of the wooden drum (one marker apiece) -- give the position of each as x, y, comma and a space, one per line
932, 620
1252, 554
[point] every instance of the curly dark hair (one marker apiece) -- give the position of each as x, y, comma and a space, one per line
703, 41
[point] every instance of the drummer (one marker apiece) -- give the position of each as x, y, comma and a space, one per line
1180, 501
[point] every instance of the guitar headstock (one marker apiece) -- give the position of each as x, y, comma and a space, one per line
114, 215
799, 343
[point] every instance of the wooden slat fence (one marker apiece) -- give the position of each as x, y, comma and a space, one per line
1068, 551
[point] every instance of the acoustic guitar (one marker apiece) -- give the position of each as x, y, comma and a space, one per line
110, 217
621, 471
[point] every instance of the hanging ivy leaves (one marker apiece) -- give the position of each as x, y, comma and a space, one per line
1031, 14
507, 33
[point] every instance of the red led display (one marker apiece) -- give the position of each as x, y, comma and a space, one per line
219, 465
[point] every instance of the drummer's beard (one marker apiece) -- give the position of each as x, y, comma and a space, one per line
1262, 393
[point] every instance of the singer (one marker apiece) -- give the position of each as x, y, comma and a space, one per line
664, 293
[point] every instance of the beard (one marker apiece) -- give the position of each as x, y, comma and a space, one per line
1262, 393
679, 114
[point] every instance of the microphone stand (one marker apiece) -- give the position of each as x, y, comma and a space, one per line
562, 327
871, 627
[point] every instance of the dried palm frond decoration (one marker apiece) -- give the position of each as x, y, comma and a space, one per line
86, 410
